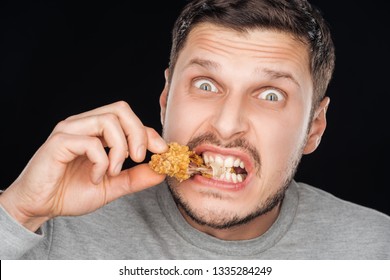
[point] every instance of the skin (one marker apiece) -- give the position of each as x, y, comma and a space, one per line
239, 71
71, 173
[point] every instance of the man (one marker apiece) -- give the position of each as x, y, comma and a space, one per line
245, 88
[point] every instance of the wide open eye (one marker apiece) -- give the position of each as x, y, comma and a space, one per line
205, 85
271, 94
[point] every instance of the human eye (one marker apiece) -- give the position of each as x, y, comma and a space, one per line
271, 94
205, 85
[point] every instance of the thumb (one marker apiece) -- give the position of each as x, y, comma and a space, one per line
132, 180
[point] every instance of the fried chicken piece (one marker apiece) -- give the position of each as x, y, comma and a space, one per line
179, 162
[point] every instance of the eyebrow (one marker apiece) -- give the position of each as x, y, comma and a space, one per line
276, 74
273, 74
208, 64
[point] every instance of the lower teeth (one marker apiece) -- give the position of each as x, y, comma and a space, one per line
226, 174
232, 177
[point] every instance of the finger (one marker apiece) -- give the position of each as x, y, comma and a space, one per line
156, 143
127, 118
132, 126
109, 108
132, 180
105, 126
150, 140
65, 148
139, 137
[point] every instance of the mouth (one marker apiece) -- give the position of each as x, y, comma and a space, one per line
221, 165
227, 168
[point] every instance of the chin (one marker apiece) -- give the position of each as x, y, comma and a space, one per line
220, 208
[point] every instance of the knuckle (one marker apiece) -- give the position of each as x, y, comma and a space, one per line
109, 118
60, 126
122, 105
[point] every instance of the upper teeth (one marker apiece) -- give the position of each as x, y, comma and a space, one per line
223, 167
227, 162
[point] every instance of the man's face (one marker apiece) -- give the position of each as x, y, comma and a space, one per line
240, 100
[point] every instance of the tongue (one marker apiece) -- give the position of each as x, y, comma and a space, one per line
239, 170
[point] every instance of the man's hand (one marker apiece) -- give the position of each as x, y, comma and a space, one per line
72, 174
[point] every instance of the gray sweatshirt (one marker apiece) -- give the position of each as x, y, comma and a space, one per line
312, 224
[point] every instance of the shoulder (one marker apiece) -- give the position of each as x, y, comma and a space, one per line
323, 200
326, 207
336, 228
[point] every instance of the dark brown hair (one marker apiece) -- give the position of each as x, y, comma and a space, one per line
296, 17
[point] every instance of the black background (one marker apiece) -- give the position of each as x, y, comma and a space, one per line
60, 58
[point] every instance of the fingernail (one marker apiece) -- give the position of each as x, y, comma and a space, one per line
141, 152
160, 143
118, 168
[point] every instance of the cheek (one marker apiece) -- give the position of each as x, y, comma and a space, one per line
281, 143
182, 120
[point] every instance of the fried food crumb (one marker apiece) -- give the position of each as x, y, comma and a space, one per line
176, 161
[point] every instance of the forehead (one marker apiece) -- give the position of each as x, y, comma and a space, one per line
255, 48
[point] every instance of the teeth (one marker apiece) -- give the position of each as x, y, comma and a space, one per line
234, 177
219, 161
223, 167
206, 159
229, 177
228, 162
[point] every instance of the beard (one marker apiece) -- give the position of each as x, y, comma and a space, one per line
223, 219
226, 220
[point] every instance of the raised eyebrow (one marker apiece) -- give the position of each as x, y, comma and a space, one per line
276, 74
205, 63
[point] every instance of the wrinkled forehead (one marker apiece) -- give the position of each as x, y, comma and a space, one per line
208, 35
222, 46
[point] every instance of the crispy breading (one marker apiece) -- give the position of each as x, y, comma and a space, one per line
176, 161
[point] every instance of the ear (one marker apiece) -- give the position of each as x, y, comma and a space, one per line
317, 129
164, 97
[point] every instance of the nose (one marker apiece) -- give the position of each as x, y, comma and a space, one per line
230, 119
